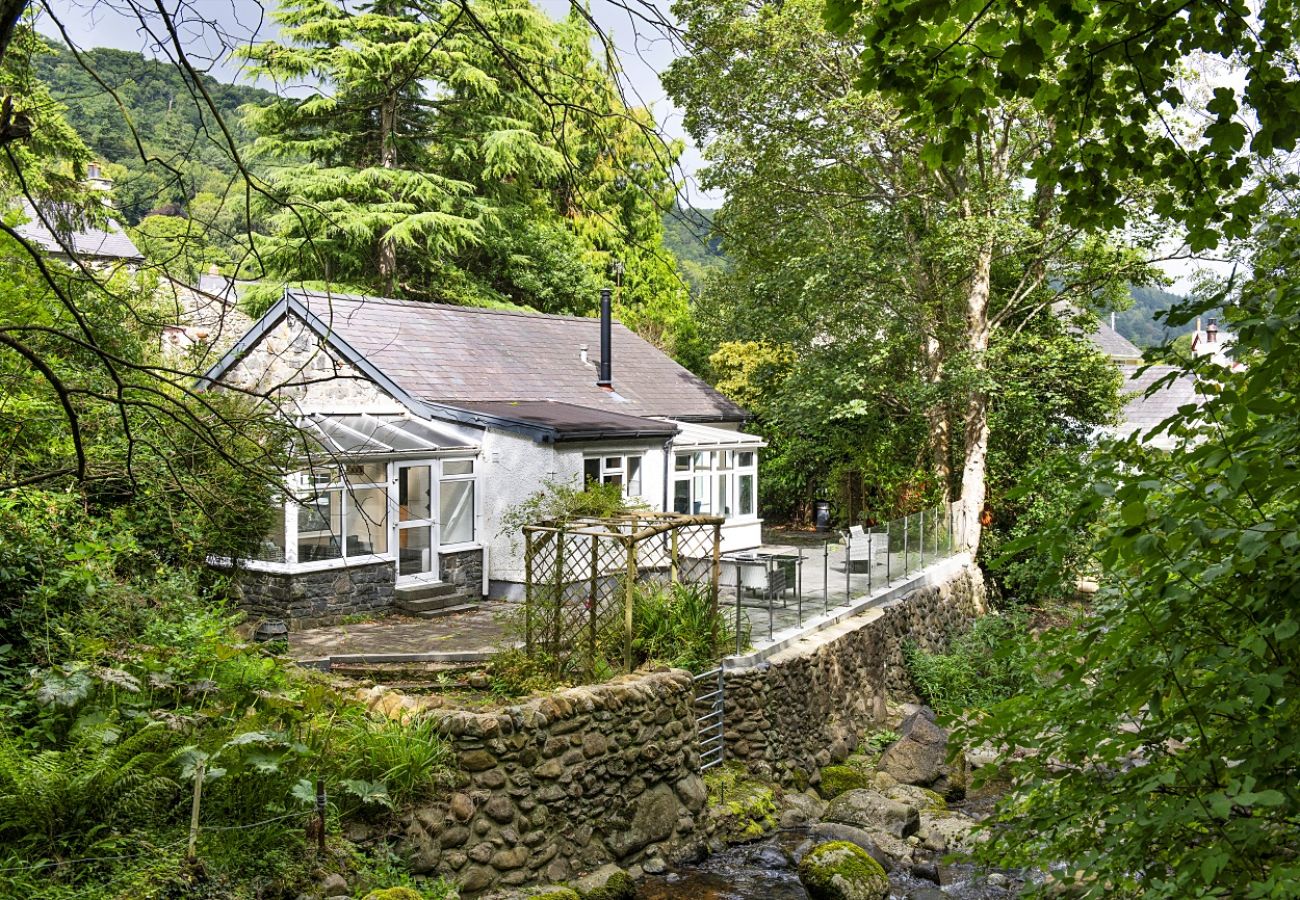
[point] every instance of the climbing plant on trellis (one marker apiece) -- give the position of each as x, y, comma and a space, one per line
581, 577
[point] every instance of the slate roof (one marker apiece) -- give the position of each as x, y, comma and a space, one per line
90, 242
1115, 345
1142, 413
572, 423
456, 355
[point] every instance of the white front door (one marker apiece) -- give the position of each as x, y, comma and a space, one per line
417, 532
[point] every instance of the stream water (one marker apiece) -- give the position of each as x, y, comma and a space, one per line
766, 871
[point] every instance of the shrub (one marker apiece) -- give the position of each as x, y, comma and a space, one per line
987, 664
401, 761
678, 626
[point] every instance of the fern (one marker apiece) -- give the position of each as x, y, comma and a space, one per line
75, 797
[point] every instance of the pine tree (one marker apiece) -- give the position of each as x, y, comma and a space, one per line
360, 200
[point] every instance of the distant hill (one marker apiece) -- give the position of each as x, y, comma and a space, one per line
160, 102
1138, 323
688, 233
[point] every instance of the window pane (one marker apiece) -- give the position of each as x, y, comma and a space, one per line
414, 491
415, 555
613, 478
702, 460
320, 526
591, 471
682, 496
367, 473
613, 462
746, 495
700, 492
367, 522
458, 467
746, 458
272, 547
634, 476
724, 459
682, 463
456, 509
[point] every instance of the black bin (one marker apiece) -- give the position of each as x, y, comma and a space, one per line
822, 514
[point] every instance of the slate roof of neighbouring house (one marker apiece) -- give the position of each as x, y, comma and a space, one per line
98, 243
1113, 344
1142, 413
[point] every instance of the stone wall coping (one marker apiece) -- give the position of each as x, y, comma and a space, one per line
539, 712
827, 627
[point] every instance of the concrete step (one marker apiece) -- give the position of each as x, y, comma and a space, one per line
439, 611
429, 604
428, 591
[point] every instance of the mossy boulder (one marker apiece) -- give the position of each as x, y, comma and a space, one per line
609, 882
921, 799
394, 893
839, 870
838, 779
555, 893
742, 808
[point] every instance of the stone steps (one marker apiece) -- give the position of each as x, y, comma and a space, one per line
438, 612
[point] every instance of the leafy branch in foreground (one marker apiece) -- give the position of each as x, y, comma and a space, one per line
1163, 752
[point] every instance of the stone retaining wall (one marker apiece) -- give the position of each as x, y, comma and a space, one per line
565, 783
808, 705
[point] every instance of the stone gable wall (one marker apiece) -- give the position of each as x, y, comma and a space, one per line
565, 783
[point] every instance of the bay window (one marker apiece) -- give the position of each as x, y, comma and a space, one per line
715, 482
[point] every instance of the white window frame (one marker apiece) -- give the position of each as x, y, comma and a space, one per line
297, 491
624, 457
711, 465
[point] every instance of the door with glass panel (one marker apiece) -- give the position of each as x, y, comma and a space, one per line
417, 538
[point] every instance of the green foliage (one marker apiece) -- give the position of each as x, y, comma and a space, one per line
515, 674
678, 626
406, 760
689, 236
1163, 748
558, 501
992, 661
1109, 78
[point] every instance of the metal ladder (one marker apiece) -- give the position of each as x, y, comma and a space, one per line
708, 717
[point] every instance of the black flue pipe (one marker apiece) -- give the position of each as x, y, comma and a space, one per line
606, 379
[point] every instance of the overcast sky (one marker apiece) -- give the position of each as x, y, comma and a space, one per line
643, 49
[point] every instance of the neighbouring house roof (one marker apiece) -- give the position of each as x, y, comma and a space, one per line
489, 367
570, 422
1142, 413
362, 434
1115, 345
91, 243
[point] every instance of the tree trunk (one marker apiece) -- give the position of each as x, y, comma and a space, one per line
388, 160
975, 458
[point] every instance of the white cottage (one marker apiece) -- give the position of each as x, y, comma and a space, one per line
434, 421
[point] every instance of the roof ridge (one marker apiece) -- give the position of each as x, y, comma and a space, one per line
449, 307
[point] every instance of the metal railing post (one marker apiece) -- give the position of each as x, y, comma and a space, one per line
738, 589
871, 558
923, 539
771, 601
889, 573
848, 565
905, 548
798, 585
826, 576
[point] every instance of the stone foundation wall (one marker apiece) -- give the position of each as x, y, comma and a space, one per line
809, 705
307, 599
565, 783
465, 570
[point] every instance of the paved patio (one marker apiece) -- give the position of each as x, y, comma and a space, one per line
822, 584
461, 637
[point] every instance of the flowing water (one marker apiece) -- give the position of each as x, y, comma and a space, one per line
766, 871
